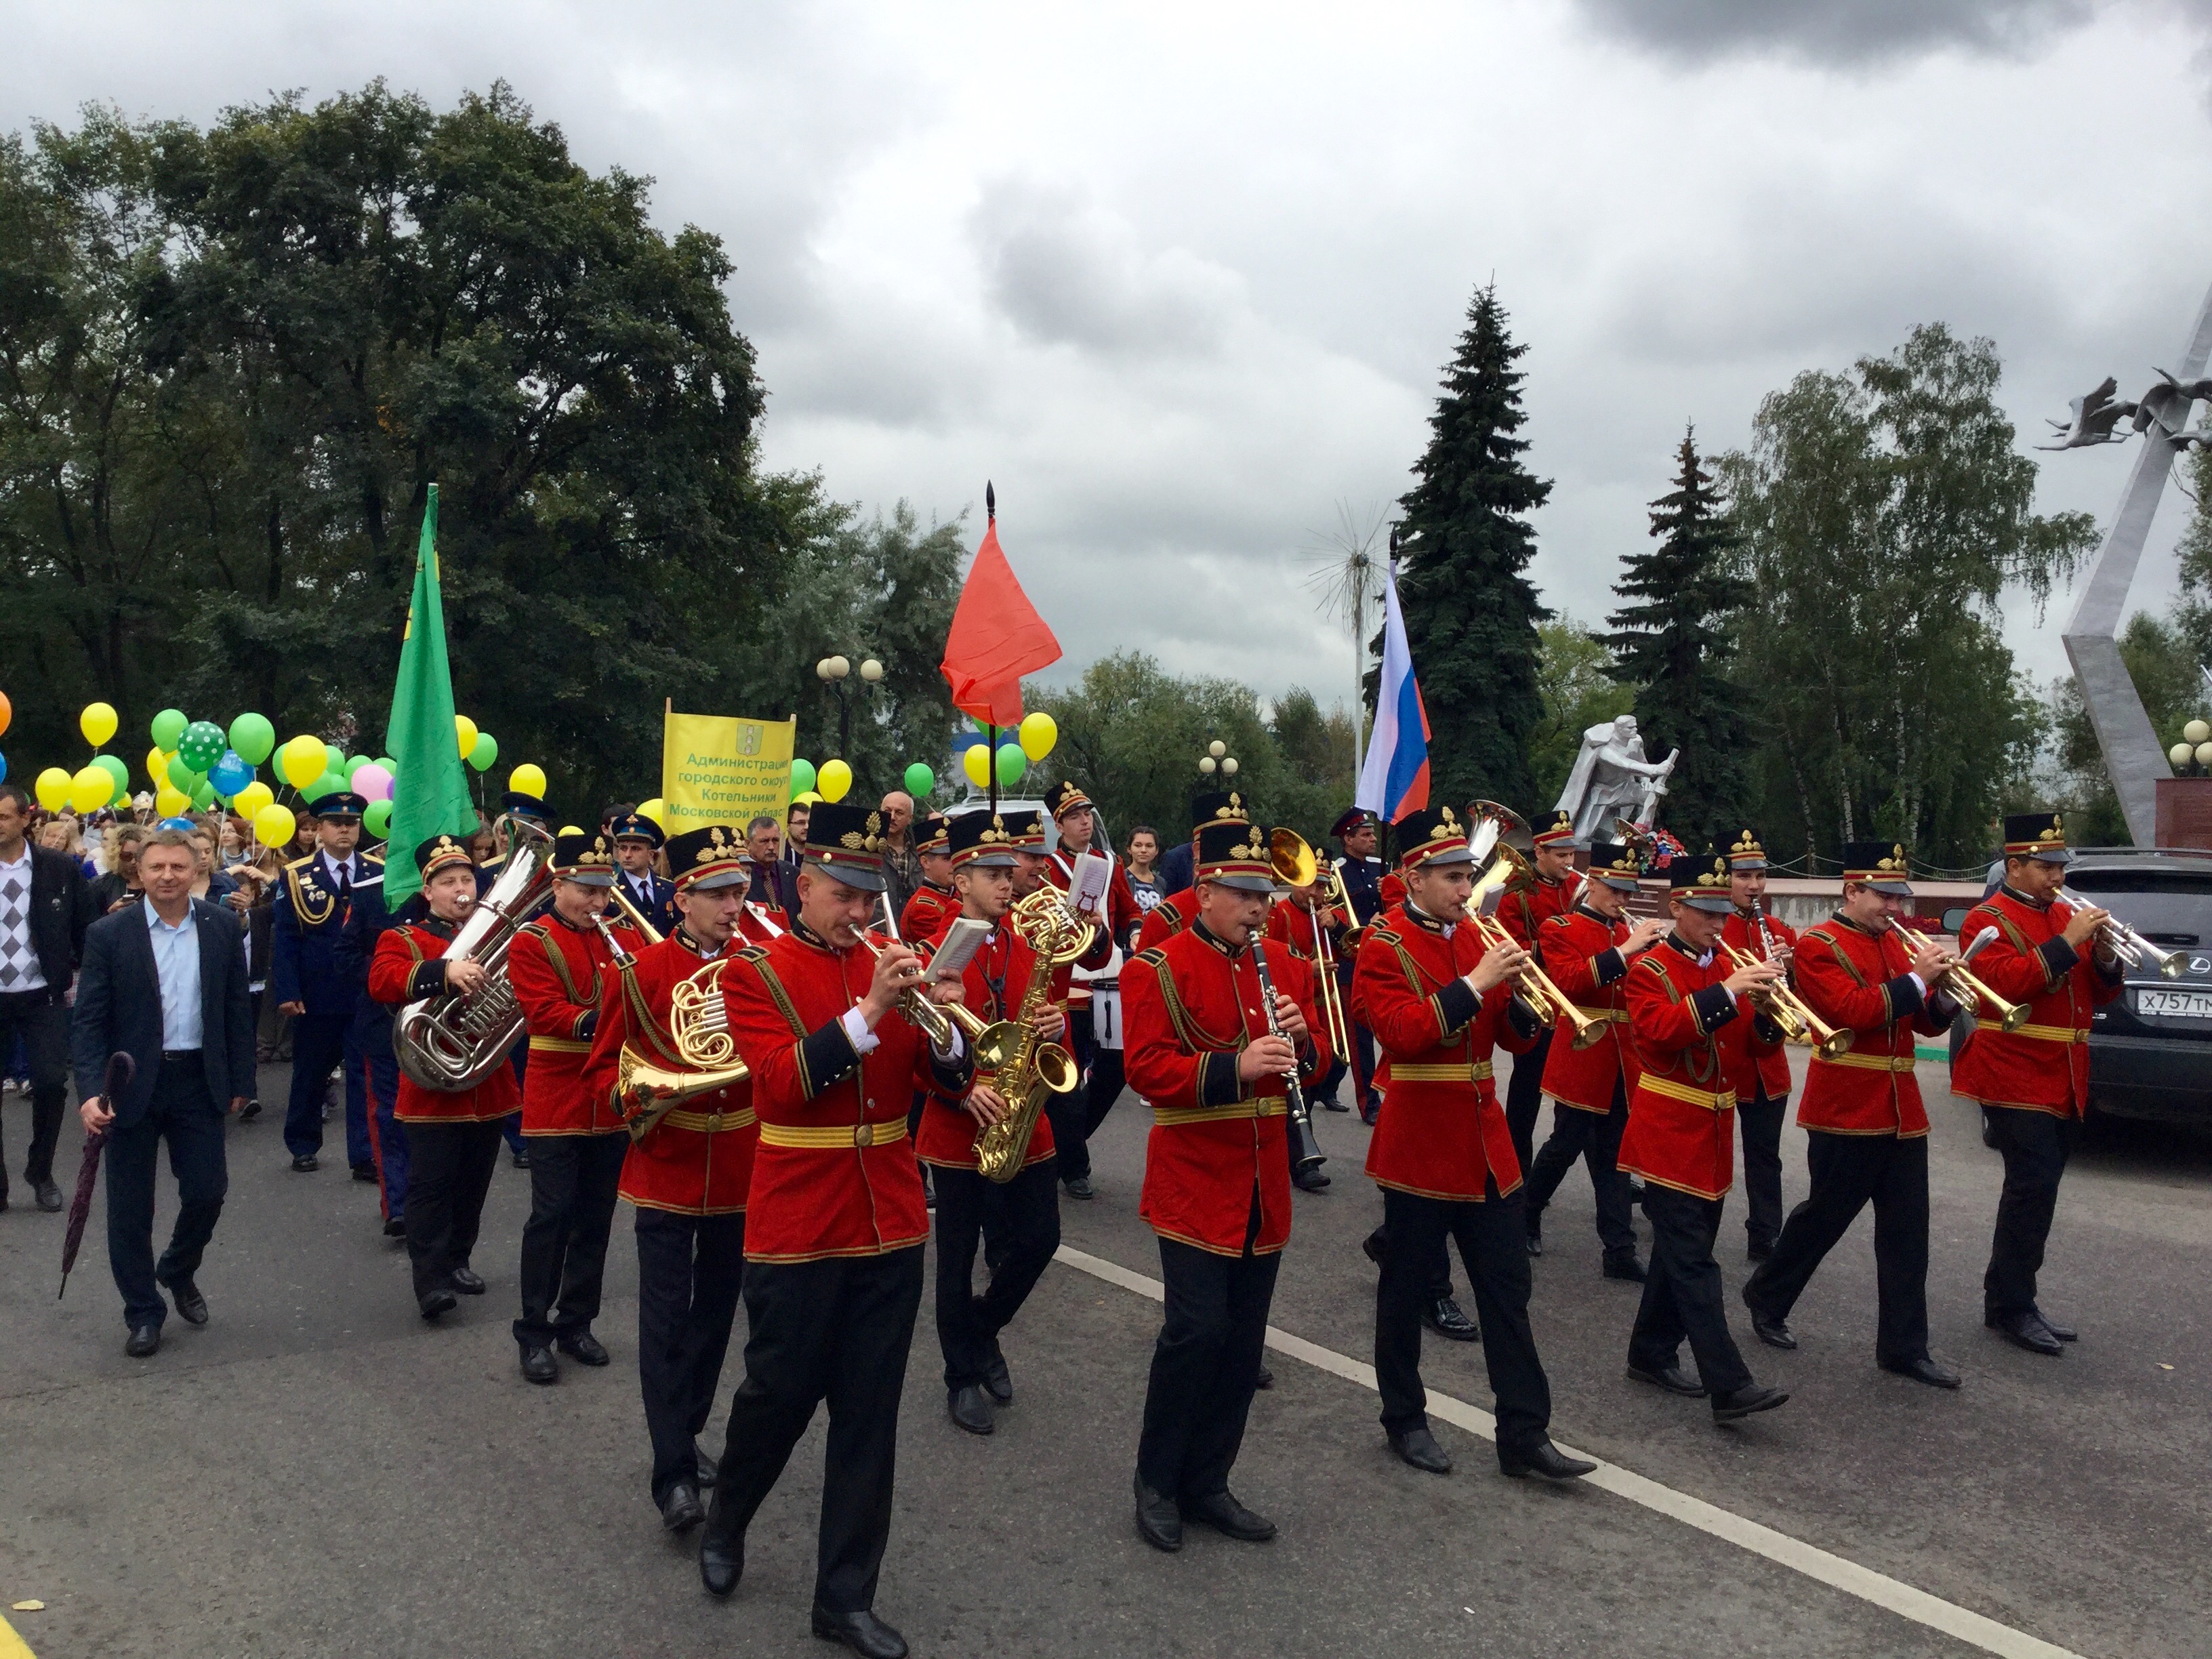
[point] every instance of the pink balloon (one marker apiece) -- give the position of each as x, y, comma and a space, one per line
373, 783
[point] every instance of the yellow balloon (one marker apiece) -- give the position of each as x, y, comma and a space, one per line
98, 723
171, 802
91, 789
527, 779
1039, 731
656, 809
157, 765
252, 799
302, 759
834, 780
466, 730
53, 788
273, 825
976, 763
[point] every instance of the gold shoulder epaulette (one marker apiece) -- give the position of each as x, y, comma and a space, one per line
301, 863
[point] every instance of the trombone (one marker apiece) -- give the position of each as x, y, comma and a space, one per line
1295, 864
1959, 978
1782, 1005
1509, 871
2126, 943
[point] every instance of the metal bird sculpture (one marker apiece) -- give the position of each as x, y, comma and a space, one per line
2095, 418
2167, 403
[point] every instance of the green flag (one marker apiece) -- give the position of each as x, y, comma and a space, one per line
429, 791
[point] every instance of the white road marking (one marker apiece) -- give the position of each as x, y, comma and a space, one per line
1830, 1569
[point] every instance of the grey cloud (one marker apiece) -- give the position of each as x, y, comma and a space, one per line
1845, 32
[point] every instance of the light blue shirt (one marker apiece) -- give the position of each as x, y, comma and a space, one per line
177, 965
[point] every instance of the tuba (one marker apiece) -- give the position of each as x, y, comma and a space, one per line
448, 1042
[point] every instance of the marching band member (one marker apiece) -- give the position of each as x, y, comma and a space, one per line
832, 1250
688, 1175
934, 902
1360, 873
453, 1137
1588, 952
1522, 912
1867, 1131
2033, 1082
1438, 1002
1122, 918
1763, 1090
1026, 1228
636, 839
1205, 1049
1173, 913
1690, 1023
576, 1140
1297, 923
1034, 871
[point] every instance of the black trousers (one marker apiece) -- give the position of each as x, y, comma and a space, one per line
449, 1172
1492, 1239
838, 1331
691, 1269
1594, 1138
1524, 1099
564, 1243
43, 1024
183, 1113
968, 1325
2036, 1146
1759, 1122
1205, 1363
1847, 1173
1682, 1295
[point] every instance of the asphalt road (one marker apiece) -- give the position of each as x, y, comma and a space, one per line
316, 1472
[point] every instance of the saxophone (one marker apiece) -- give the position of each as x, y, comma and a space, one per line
1022, 1066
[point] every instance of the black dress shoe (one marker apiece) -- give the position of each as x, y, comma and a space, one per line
144, 1339
1222, 1512
466, 1281
1160, 1522
1673, 1379
1266, 1378
860, 1630
997, 1381
680, 1508
192, 1306
1759, 1250
46, 1195
710, 1470
1772, 1331
1742, 1402
970, 1407
306, 1164
2063, 1332
438, 1302
1079, 1187
248, 1112
1334, 1106
1923, 1369
364, 1172
1535, 1239
721, 1559
538, 1364
1310, 1180
582, 1347
1372, 1247
2025, 1330
522, 1158
395, 1227
1623, 1264
1419, 1447
1443, 1316
1544, 1459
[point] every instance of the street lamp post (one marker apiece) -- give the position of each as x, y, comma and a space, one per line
833, 672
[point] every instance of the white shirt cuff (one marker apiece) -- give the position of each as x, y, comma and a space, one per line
1916, 979
856, 1028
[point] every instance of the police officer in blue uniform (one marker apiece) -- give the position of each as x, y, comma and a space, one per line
636, 840
309, 914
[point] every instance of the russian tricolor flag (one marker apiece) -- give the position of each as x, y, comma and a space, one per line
1395, 778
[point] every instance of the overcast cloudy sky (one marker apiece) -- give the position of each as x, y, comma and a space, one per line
1180, 278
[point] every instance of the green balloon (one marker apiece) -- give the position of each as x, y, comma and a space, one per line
116, 769
328, 782
354, 763
201, 745
182, 778
1011, 764
168, 726
802, 777
485, 755
378, 819
253, 737
388, 764
203, 797
919, 781
335, 757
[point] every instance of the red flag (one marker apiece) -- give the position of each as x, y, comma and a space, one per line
997, 637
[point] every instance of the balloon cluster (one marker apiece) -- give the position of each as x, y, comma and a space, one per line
1033, 740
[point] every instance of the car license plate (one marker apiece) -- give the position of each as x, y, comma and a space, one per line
2184, 1004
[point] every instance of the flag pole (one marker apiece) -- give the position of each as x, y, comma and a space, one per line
991, 731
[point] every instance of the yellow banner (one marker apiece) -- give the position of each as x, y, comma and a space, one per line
718, 768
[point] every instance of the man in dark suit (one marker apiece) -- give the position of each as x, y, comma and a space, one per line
45, 905
164, 981
636, 839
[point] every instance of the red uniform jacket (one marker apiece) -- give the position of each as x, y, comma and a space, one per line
1582, 958
1526, 910
2044, 1065
1393, 888
698, 1159
1189, 1008
997, 979
1765, 1073
1442, 1134
1166, 919
1119, 911
554, 969
1691, 1037
1850, 977
1291, 923
835, 1176
404, 968
927, 914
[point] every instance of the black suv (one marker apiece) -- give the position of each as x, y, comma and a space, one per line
2150, 1050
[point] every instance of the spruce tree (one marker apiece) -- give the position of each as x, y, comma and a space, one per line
1471, 615
1671, 638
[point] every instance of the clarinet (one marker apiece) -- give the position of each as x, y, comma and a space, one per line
1309, 1155
1765, 933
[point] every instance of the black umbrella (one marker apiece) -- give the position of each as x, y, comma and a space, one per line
121, 1068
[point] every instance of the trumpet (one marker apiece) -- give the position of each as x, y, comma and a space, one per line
2128, 945
1507, 873
937, 1021
1964, 983
1787, 1009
